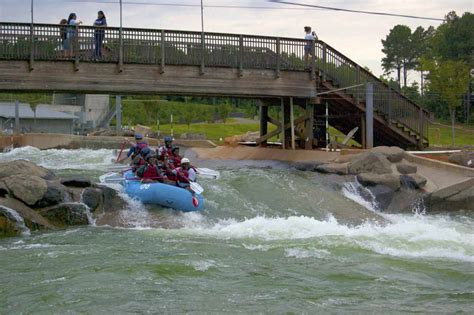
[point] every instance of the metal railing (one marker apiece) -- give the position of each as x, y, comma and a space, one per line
20, 41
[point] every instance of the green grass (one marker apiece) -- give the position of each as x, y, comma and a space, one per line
440, 136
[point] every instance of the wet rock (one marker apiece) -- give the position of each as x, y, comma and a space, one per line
457, 197
3, 189
369, 162
66, 214
55, 194
92, 197
465, 158
111, 198
345, 158
389, 180
76, 182
11, 223
413, 181
393, 154
382, 195
23, 167
406, 168
333, 168
305, 166
33, 220
29, 189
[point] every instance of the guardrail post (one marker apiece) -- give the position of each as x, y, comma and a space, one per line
313, 60
203, 51
325, 64
278, 52
241, 55
162, 67
32, 47
76, 49
421, 122
120, 61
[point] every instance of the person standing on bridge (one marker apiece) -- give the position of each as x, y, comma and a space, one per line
309, 46
99, 34
71, 33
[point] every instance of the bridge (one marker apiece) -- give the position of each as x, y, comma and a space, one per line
328, 85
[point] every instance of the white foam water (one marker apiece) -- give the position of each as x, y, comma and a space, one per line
59, 159
408, 236
19, 222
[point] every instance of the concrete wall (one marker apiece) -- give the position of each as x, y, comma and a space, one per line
96, 107
64, 126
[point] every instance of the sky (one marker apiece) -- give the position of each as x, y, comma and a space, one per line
358, 36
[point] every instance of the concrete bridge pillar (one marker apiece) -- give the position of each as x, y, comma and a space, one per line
17, 116
118, 113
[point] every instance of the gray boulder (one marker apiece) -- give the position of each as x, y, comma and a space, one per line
55, 194
382, 195
92, 197
393, 154
333, 168
76, 182
413, 181
305, 166
465, 158
369, 162
66, 214
11, 223
33, 220
29, 189
389, 180
23, 167
406, 168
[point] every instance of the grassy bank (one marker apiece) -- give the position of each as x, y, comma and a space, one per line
440, 136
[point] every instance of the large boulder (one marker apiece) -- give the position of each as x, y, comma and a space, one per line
29, 189
413, 181
389, 180
305, 166
24, 167
393, 154
33, 220
76, 182
465, 158
406, 168
67, 214
55, 194
369, 162
333, 168
382, 195
92, 197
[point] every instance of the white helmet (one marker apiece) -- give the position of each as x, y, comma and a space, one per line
185, 160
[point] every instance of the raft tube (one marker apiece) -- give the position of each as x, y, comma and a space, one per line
163, 194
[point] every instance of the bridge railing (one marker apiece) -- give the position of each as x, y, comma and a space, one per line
21, 41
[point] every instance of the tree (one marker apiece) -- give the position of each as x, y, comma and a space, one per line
224, 111
396, 49
450, 79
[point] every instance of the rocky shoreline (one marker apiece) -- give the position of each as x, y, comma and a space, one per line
34, 198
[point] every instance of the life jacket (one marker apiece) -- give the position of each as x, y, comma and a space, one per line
150, 171
137, 162
164, 152
175, 160
182, 175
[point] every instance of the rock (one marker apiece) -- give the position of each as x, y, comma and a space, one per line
369, 162
76, 182
249, 136
66, 214
333, 168
306, 166
406, 168
345, 158
393, 154
55, 194
465, 158
23, 167
92, 197
390, 180
413, 181
456, 197
29, 189
3, 189
382, 195
33, 220
11, 223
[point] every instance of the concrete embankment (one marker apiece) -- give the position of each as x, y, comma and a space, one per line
58, 141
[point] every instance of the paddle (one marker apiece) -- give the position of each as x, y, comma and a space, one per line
202, 172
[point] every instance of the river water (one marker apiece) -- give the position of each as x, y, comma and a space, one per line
266, 243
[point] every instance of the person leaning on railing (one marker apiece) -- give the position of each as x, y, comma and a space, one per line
69, 43
99, 33
310, 37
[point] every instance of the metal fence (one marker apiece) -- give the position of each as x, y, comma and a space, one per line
22, 41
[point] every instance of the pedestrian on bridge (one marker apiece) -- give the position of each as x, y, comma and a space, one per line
70, 42
309, 46
99, 33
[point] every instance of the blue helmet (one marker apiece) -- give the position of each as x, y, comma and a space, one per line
145, 151
138, 136
168, 139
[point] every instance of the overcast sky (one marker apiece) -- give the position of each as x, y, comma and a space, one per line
356, 35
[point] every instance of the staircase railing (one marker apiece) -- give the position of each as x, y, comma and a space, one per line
20, 41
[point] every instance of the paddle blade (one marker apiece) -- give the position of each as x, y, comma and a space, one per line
208, 173
111, 178
197, 188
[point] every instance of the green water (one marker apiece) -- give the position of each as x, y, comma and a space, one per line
265, 244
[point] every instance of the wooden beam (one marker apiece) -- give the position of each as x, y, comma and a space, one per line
292, 124
263, 122
308, 137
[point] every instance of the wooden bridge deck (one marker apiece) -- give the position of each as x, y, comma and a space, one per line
137, 61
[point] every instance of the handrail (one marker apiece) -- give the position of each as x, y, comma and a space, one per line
179, 47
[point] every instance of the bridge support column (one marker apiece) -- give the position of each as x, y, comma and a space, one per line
118, 113
263, 122
286, 119
309, 134
369, 116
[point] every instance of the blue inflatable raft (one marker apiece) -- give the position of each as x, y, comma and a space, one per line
162, 194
